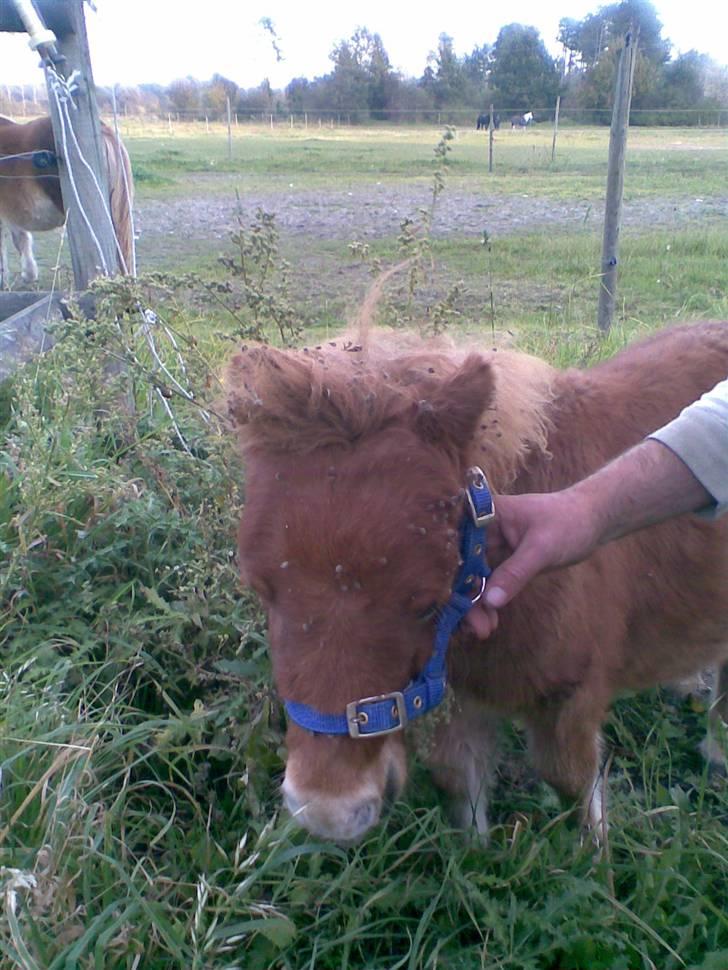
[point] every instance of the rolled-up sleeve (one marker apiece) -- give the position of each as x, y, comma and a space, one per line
699, 437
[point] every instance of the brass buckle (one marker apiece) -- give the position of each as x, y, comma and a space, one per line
355, 719
478, 480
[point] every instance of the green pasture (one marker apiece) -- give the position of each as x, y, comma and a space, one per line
140, 738
185, 155
673, 263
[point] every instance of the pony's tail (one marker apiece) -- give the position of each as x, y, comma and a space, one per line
121, 199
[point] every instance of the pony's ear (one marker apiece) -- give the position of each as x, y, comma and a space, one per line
452, 411
252, 375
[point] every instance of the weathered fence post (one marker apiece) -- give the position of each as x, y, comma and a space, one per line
229, 130
491, 128
615, 181
82, 168
556, 128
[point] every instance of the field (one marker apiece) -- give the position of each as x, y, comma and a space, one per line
140, 738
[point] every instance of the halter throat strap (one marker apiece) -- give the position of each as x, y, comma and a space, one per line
386, 713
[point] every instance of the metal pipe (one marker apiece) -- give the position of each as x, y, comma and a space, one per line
41, 39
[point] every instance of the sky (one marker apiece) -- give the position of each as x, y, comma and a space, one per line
135, 41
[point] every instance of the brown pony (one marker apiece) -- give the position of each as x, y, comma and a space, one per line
356, 460
30, 193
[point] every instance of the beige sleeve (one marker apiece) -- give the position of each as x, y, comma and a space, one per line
699, 437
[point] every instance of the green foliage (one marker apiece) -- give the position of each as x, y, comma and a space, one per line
522, 73
594, 44
264, 282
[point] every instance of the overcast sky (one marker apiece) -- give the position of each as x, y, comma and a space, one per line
133, 41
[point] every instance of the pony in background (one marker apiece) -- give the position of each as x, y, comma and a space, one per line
522, 121
30, 192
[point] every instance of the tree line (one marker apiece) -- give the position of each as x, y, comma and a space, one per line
516, 74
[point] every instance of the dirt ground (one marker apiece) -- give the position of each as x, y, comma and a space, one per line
377, 211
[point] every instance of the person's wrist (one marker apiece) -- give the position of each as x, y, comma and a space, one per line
585, 516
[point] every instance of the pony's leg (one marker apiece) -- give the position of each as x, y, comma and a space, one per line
713, 746
565, 745
462, 759
24, 244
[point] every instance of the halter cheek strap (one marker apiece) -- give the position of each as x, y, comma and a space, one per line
385, 713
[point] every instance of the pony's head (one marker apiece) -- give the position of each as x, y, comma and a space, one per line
355, 487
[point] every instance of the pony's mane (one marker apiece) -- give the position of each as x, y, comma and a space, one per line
339, 392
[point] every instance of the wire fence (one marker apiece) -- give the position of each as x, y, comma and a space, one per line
460, 117
337, 117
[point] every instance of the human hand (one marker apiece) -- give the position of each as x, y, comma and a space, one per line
531, 533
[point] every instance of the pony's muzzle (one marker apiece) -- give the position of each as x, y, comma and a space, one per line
343, 819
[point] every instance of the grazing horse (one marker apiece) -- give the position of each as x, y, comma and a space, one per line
522, 121
30, 193
482, 122
357, 459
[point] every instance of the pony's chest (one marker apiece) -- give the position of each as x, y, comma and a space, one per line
29, 207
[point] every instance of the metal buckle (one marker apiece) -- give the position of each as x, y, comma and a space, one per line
355, 718
478, 480
479, 595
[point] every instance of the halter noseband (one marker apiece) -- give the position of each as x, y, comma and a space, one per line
385, 713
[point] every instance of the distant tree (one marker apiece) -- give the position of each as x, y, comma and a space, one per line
476, 65
716, 83
685, 79
599, 33
363, 79
184, 95
476, 72
523, 74
413, 101
155, 98
259, 100
216, 92
298, 95
569, 37
444, 76
592, 47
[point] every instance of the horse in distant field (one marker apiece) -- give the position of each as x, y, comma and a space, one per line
359, 535
522, 121
30, 192
483, 121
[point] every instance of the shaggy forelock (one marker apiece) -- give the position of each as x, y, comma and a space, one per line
340, 392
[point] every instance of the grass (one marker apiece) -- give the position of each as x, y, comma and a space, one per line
140, 740
190, 161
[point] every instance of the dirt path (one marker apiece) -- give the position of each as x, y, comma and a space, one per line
377, 211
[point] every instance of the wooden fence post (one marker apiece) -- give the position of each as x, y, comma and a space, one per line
556, 129
615, 181
229, 130
491, 127
77, 133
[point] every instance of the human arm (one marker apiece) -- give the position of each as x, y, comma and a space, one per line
643, 486
681, 467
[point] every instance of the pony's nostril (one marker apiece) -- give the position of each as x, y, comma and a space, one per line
365, 815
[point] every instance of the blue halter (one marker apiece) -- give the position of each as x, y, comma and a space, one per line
374, 716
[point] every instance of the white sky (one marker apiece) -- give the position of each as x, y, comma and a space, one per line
133, 41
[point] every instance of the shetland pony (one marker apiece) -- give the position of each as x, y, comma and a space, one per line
356, 462
30, 193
